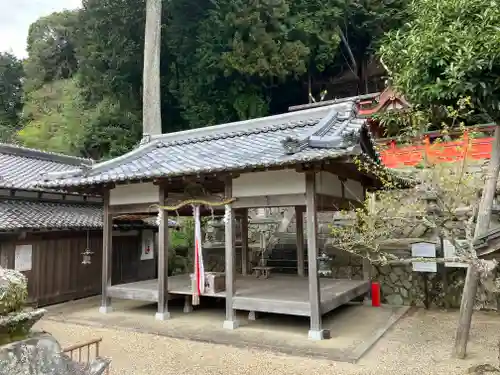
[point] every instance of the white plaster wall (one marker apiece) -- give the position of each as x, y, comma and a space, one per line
286, 181
354, 190
134, 193
328, 184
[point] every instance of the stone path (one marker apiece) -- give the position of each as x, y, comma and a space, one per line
419, 344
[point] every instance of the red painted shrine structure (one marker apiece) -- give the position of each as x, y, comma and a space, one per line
413, 153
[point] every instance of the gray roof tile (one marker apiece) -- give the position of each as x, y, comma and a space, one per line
25, 215
21, 214
243, 145
20, 167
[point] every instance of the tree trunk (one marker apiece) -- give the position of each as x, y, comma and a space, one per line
482, 227
151, 103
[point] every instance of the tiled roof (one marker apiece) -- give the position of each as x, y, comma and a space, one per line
20, 167
25, 214
276, 141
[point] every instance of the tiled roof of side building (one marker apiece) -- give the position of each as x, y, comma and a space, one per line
21, 167
283, 140
27, 215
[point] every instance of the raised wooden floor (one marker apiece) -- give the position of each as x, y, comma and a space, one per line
279, 294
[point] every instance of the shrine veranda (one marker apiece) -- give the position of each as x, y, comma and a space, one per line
303, 159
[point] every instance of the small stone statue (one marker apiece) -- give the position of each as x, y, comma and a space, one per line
23, 352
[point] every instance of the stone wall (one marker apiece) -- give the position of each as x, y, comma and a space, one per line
401, 286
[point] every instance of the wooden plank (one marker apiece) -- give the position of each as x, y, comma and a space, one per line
244, 241
137, 208
163, 313
272, 306
315, 331
230, 322
299, 218
348, 293
281, 200
122, 292
281, 294
107, 254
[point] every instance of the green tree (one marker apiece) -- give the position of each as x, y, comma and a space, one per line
11, 101
448, 50
51, 49
58, 118
54, 118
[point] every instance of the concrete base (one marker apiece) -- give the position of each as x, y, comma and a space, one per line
162, 316
252, 315
105, 309
188, 306
322, 334
230, 324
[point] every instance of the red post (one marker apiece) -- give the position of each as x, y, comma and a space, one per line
375, 294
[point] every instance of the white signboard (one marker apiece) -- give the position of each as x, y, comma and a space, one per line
424, 250
451, 252
23, 258
147, 245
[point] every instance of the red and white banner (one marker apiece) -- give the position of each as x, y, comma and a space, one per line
198, 255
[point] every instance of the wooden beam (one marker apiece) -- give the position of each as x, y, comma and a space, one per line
316, 331
281, 200
230, 322
244, 241
136, 208
299, 219
330, 203
163, 313
107, 255
482, 227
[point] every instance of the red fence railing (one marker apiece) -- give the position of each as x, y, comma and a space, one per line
394, 156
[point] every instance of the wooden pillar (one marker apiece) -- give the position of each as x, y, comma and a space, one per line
300, 239
316, 331
163, 313
151, 99
244, 241
107, 255
231, 321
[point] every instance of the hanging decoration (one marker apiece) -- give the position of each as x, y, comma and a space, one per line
199, 270
87, 254
198, 283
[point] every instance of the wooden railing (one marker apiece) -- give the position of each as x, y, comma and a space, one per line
85, 352
394, 156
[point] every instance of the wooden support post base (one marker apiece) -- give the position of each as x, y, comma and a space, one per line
230, 324
323, 334
162, 316
105, 309
252, 315
188, 306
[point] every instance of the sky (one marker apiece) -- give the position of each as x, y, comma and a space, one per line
17, 15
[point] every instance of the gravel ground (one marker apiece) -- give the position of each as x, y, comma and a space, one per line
419, 344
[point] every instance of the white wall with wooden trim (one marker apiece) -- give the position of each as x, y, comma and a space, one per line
134, 193
268, 183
